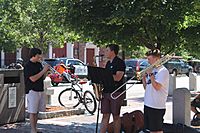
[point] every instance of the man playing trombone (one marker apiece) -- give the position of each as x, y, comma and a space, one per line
108, 105
155, 82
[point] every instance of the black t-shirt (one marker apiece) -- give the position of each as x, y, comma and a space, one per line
30, 69
116, 65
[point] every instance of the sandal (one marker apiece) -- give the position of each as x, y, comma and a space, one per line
195, 121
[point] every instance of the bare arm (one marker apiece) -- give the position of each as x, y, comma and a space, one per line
118, 76
144, 82
155, 84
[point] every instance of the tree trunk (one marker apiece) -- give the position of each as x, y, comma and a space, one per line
158, 45
149, 46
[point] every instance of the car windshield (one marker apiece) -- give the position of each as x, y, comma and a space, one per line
75, 62
131, 63
144, 63
52, 62
62, 60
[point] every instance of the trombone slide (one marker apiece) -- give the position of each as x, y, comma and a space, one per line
141, 73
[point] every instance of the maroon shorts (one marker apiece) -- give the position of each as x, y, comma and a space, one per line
109, 105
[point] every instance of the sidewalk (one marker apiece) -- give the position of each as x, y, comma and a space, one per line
85, 123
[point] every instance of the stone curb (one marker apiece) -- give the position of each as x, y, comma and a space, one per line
60, 113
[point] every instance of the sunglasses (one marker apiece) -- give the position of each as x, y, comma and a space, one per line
153, 52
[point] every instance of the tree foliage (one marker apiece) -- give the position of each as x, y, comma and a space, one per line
32, 23
150, 23
170, 25
191, 31
8, 15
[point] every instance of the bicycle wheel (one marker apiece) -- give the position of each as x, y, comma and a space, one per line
89, 102
69, 98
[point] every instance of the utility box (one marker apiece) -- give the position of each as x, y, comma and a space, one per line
12, 96
172, 84
194, 82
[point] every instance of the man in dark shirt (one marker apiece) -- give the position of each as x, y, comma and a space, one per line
34, 75
108, 105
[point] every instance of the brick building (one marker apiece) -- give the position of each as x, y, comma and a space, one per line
89, 53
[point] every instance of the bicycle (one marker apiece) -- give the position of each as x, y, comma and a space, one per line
71, 97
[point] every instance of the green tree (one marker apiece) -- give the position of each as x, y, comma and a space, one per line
149, 23
33, 23
8, 16
39, 25
191, 31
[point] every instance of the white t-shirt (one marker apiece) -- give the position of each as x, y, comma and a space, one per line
157, 98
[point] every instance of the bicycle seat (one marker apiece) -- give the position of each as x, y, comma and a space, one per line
82, 82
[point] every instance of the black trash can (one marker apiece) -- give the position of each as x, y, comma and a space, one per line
12, 96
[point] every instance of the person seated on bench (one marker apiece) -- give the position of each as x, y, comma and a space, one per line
195, 107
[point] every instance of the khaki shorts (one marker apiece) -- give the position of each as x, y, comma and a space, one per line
36, 102
111, 106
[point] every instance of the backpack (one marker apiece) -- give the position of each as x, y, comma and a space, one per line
131, 122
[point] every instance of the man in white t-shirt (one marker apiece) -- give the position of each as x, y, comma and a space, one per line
155, 82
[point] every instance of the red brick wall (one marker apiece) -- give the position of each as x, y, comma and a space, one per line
60, 52
90, 58
79, 50
10, 58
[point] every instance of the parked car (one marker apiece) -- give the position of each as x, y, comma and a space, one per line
195, 63
133, 66
178, 66
52, 61
80, 67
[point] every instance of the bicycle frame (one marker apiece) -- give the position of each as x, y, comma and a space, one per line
73, 96
75, 84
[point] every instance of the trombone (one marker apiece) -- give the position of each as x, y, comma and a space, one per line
139, 75
115, 97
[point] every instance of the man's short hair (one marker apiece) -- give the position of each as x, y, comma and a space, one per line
113, 47
154, 52
34, 51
